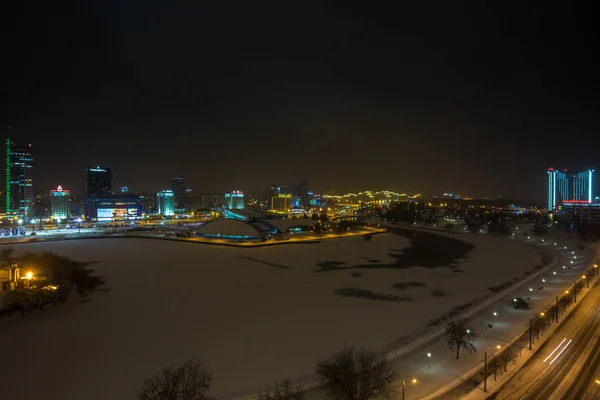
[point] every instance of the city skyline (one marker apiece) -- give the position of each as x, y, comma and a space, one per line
415, 104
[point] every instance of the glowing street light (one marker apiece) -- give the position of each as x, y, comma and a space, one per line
29, 275
498, 347
20, 221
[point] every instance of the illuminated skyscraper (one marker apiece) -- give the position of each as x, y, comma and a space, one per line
558, 188
165, 202
583, 186
98, 182
234, 200
18, 183
60, 203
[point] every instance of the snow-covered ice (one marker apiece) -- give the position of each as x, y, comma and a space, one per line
252, 315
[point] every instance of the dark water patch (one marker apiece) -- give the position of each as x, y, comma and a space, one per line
501, 287
270, 264
330, 266
408, 285
356, 274
454, 313
439, 293
369, 295
427, 250
374, 261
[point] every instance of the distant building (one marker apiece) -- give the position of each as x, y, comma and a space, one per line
42, 205
569, 188
558, 188
165, 202
303, 192
18, 186
98, 182
109, 208
148, 201
59, 199
282, 203
582, 186
274, 191
234, 200
179, 191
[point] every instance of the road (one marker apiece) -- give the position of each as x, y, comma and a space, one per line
568, 364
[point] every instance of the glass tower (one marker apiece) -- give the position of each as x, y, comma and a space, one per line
18, 183
558, 188
165, 202
178, 188
98, 182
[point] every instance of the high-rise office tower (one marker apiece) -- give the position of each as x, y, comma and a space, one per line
583, 186
165, 202
18, 182
558, 188
234, 200
60, 203
178, 188
98, 182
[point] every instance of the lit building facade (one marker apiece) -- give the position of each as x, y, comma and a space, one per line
98, 182
281, 203
18, 188
109, 208
583, 186
59, 200
569, 188
558, 188
165, 202
234, 200
178, 188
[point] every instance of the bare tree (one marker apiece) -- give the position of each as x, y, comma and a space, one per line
507, 356
494, 365
458, 335
282, 391
356, 375
190, 381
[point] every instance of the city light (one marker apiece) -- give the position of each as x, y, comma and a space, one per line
414, 380
28, 275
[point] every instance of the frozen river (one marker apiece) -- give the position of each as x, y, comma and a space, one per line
251, 315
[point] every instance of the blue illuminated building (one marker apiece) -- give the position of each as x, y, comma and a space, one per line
566, 188
234, 200
165, 202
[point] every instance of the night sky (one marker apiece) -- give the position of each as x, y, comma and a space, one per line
431, 97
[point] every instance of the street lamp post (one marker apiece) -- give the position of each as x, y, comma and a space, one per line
403, 386
429, 360
485, 372
530, 333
